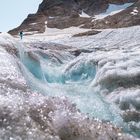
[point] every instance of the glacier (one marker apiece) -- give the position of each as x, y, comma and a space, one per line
101, 81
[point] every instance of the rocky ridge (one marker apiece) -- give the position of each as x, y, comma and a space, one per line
66, 13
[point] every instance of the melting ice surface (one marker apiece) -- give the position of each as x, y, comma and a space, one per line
112, 64
61, 75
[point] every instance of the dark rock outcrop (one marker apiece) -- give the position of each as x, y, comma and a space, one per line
66, 13
125, 18
88, 33
34, 22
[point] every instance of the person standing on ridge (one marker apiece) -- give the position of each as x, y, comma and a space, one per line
21, 34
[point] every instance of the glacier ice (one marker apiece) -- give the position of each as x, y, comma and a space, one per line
111, 65
107, 70
103, 83
28, 115
71, 81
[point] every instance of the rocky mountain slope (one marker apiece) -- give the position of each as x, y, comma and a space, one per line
66, 13
125, 18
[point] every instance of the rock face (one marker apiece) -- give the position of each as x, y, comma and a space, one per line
125, 18
66, 13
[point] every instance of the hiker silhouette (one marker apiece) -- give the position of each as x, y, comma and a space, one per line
21, 34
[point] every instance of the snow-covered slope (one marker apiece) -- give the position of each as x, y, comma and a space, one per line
52, 34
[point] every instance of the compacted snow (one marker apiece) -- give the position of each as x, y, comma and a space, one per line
83, 14
52, 34
100, 74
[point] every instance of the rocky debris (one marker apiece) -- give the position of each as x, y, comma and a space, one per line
88, 33
66, 22
131, 116
47, 46
66, 13
77, 52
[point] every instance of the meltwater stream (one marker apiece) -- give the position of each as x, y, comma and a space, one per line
52, 74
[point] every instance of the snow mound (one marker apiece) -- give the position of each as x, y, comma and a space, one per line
83, 14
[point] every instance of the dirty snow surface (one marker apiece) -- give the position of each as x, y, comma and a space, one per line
51, 87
